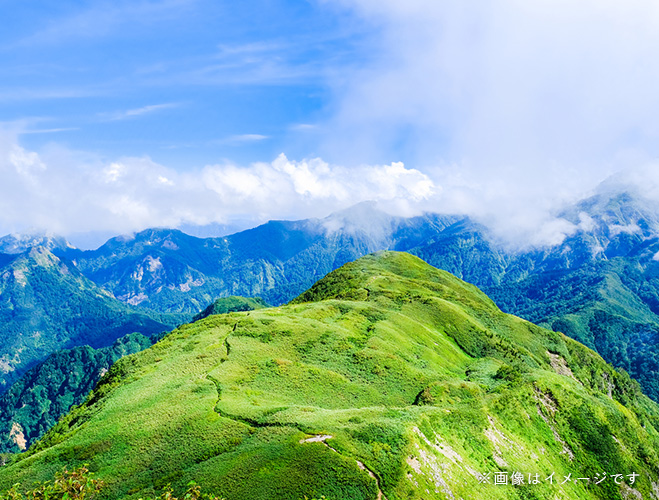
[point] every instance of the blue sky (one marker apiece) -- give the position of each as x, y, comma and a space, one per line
187, 82
117, 116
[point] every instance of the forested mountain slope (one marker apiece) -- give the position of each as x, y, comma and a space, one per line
46, 304
37, 400
600, 286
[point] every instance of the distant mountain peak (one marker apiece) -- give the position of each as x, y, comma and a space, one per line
610, 213
362, 217
147, 240
21, 242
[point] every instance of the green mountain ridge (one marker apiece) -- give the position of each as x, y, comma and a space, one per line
386, 379
599, 286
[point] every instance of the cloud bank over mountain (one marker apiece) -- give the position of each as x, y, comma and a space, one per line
515, 108
67, 192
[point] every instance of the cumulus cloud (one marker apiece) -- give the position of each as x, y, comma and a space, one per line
70, 192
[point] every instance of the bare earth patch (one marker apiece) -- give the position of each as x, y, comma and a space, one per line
16, 434
548, 403
316, 439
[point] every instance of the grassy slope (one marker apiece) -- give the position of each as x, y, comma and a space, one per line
413, 372
36, 401
234, 303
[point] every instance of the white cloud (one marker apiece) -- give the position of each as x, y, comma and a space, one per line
311, 179
628, 229
70, 192
586, 222
26, 163
132, 113
244, 138
113, 172
515, 108
642, 180
506, 82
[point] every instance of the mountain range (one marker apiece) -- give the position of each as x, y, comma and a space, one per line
599, 285
168, 271
388, 378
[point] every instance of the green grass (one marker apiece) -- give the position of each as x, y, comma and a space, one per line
414, 373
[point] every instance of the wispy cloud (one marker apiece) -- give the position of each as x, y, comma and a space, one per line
102, 19
50, 130
303, 127
299, 59
132, 113
28, 126
252, 49
243, 138
46, 93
